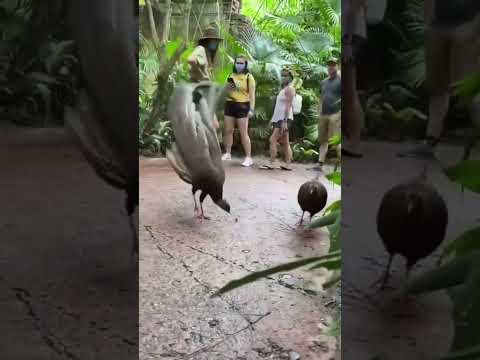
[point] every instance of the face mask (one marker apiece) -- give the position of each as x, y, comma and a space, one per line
212, 46
240, 67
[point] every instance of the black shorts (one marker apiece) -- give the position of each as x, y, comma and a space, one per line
278, 124
237, 110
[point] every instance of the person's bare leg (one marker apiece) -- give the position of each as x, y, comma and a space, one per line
228, 136
354, 116
273, 145
216, 124
245, 138
287, 149
439, 57
437, 112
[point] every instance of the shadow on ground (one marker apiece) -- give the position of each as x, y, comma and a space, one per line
68, 287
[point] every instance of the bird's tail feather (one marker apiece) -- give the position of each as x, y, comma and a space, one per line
178, 164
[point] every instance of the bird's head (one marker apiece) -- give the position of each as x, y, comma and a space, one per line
223, 204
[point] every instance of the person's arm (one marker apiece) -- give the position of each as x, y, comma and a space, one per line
251, 94
197, 57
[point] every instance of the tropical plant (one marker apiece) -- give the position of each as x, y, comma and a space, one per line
301, 33
38, 70
405, 31
269, 43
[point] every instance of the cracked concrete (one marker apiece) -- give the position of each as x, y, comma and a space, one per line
183, 261
67, 286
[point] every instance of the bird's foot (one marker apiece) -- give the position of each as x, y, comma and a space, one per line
202, 217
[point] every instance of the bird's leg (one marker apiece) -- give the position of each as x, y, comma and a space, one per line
301, 219
195, 209
202, 213
202, 216
384, 278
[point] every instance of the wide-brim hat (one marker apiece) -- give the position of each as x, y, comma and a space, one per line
332, 60
210, 33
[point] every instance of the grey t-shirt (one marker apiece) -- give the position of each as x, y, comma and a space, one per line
331, 94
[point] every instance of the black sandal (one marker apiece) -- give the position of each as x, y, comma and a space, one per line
351, 154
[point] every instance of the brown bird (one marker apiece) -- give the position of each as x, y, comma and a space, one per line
312, 198
411, 221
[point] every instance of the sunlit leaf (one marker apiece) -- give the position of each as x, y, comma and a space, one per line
324, 221
446, 276
466, 173
469, 87
336, 205
335, 177
274, 270
466, 243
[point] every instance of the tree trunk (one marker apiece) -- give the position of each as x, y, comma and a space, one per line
187, 20
153, 27
166, 21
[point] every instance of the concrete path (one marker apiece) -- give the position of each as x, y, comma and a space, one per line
182, 261
67, 283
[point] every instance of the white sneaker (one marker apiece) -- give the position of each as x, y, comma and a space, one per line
247, 162
227, 156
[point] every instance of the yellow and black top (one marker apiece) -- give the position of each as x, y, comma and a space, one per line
244, 83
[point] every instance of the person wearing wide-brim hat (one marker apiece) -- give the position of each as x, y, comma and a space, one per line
202, 59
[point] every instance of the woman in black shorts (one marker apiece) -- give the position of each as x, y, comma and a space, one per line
239, 108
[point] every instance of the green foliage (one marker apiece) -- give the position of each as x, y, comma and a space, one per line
469, 87
160, 69
313, 261
300, 33
405, 31
38, 69
304, 151
459, 272
466, 174
391, 112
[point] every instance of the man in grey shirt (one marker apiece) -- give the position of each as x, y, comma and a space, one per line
330, 114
